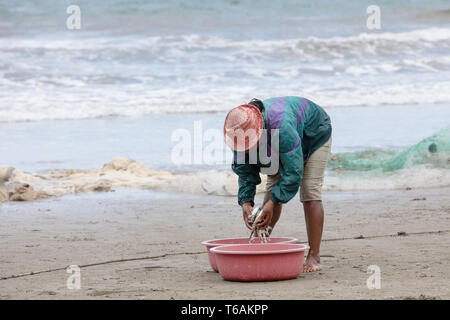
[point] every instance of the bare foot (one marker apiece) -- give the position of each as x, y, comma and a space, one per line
312, 264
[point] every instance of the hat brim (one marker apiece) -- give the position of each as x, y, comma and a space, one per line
244, 139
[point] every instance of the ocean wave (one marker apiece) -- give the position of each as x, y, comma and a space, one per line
99, 76
194, 46
85, 102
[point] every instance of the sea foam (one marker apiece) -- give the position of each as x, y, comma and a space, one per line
423, 165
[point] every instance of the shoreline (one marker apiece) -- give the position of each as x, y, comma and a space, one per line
88, 144
134, 244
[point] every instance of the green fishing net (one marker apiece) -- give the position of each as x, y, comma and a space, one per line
433, 152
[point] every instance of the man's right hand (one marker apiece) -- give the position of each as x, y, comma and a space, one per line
247, 213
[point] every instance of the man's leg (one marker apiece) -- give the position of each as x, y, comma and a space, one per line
311, 197
314, 217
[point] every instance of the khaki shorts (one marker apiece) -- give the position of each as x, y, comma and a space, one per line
313, 172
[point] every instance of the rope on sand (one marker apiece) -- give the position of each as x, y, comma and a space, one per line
398, 234
32, 273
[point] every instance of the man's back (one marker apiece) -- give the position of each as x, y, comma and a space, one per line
299, 121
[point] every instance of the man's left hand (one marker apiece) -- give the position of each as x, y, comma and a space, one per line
266, 216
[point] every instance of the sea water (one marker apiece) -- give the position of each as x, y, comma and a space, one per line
138, 70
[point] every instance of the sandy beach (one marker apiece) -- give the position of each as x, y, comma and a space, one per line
113, 160
133, 244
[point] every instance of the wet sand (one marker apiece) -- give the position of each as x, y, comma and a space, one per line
134, 244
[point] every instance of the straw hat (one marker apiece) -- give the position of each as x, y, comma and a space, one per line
243, 127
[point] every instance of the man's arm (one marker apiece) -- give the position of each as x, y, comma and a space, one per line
248, 180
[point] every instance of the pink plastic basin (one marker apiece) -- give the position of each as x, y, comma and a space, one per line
260, 262
220, 242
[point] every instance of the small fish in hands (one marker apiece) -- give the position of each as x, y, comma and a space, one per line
262, 233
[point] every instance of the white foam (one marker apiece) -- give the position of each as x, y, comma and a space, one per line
87, 102
126, 173
179, 45
413, 177
210, 73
